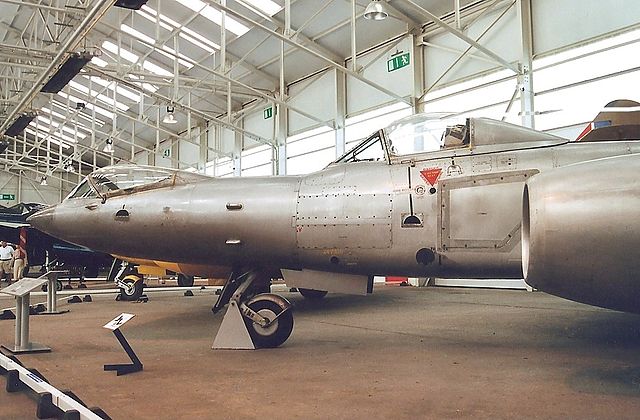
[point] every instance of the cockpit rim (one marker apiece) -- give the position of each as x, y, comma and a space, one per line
174, 177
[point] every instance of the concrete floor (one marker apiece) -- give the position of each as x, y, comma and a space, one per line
402, 353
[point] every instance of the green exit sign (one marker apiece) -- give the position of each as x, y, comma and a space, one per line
166, 153
8, 196
398, 62
268, 113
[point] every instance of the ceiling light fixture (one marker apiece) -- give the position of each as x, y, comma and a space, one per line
169, 118
376, 10
108, 147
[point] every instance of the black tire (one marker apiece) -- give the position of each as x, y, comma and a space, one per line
184, 280
134, 288
275, 334
312, 294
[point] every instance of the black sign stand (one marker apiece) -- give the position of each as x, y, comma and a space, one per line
123, 369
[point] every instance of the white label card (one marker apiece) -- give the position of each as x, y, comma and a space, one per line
118, 321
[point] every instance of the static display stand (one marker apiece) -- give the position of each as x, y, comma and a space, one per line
52, 293
21, 290
233, 333
135, 365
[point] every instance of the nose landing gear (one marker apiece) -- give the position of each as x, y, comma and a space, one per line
252, 320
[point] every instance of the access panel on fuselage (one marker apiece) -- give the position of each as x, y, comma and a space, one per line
482, 212
344, 220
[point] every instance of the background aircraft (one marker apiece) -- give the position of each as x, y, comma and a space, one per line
426, 197
44, 250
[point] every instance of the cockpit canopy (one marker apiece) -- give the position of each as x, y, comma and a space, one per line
125, 179
428, 135
415, 134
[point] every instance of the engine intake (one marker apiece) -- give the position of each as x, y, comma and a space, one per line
581, 232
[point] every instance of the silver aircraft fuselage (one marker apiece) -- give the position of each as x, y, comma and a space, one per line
454, 212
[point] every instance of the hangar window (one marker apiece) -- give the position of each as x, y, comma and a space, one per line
485, 96
358, 128
223, 167
310, 151
257, 161
572, 86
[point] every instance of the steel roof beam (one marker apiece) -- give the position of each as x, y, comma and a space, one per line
201, 114
70, 43
237, 82
506, 64
310, 51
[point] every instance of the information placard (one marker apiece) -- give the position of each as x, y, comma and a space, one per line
118, 321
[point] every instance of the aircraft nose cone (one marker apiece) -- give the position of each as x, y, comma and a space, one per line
43, 220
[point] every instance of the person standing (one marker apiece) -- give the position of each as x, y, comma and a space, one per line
6, 255
19, 262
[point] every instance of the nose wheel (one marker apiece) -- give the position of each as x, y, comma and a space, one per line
260, 321
131, 287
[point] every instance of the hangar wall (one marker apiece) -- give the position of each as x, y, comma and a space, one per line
476, 85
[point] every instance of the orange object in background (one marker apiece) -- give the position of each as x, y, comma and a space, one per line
395, 280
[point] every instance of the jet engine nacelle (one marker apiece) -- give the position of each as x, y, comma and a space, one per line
580, 232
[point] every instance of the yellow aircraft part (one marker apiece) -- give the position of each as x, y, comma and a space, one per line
160, 268
152, 270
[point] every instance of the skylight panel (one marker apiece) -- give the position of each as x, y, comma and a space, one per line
52, 132
133, 58
215, 16
182, 60
64, 127
82, 88
185, 33
129, 30
265, 6
64, 108
56, 125
146, 86
52, 113
92, 107
154, 68
119, 89
150, 17
166, 51
47, 121
113, 48
50, 138
99, 62
205, 44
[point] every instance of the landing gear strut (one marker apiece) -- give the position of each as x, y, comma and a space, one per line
252, 320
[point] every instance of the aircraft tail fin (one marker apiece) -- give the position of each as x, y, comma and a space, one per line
619, 120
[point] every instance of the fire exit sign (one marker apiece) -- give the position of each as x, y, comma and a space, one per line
268, 113
8, 196
398, 62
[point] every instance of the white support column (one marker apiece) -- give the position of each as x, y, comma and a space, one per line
341, 112
418, 74
282, 128
281, 122
526, 74
237, 153
204, 149
354, 52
